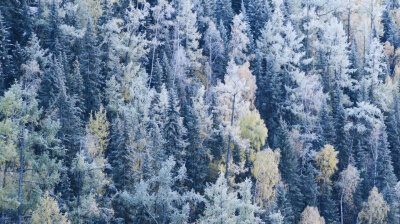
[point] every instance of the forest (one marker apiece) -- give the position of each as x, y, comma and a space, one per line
200, 111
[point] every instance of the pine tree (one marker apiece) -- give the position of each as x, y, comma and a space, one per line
75, 86
247, 210
90, 70
5, 57
258, 12
214, 48
223, 12
187, 34
52, 31
239, 42
67, 113
283, 204
309, 186
174, 130
197, 124
175, 204
392, 124
220, 204
17, 17
289, 168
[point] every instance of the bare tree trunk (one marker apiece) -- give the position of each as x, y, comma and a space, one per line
153, 54
348, 26
228, 154
21, 174
341, 208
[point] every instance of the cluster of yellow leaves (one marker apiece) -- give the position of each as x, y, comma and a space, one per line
97, 132
310, 215
266, 172
48, 212
252, 127
375, 210
327, 161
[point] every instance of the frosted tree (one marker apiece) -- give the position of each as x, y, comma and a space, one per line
279, 56
371, 11
239, 42
375, 68
186, 33
135, 45
336, 64
215, 50
129, 101
220, 203
247, 210
225, 205
310, 215
375, 210
88, 168
161, 14
176, 205
348, 183
235, 97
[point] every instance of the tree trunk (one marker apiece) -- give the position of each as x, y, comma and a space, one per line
341, 208
21, 174
228, 154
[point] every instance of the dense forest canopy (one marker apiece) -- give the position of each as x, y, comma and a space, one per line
200, 111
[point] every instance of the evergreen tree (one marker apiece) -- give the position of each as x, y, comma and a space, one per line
197, 155
174, 130
239, 40
175, 204
4, 55
223, 12
289, 168
90, 70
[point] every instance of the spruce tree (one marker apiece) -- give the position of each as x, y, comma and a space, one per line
289, 169
90, 70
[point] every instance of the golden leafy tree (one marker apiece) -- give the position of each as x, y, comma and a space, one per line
267, 174
327, 161
252, 127
48, 212
97, 132
375, 210
310, 215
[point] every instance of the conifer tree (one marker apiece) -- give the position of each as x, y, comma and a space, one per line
90, 70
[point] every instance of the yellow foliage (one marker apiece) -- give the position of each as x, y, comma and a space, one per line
327, 163
266, 172
375, 210
48, 212
97, 132
310, 215
252, 127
